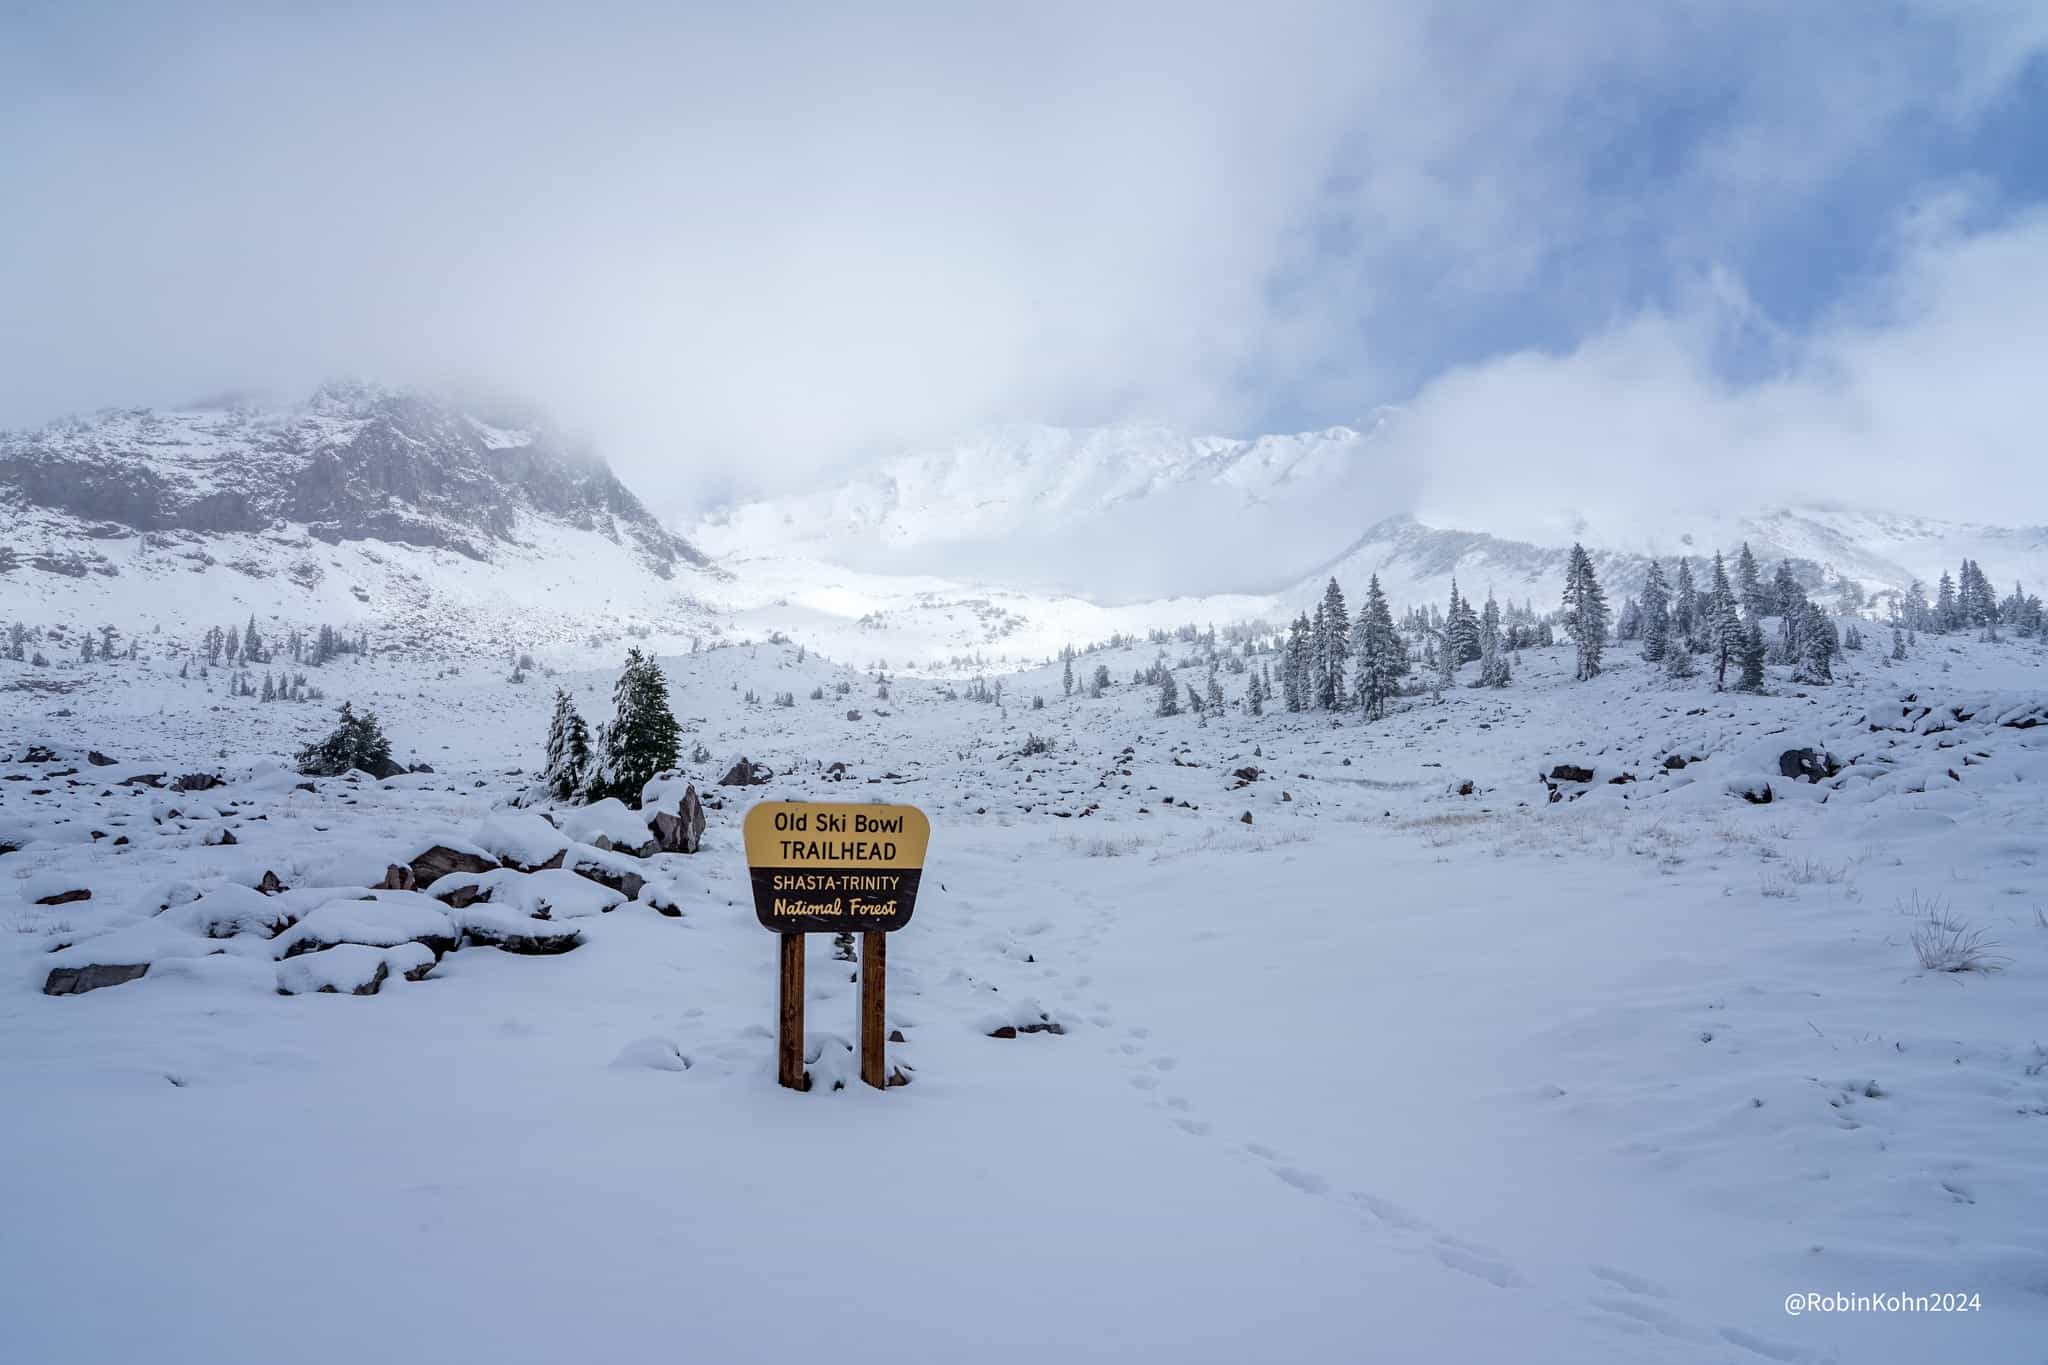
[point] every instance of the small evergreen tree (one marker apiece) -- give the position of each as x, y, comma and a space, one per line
1656, 613
1381, 656
1585, 612
1750, 655
1169, 694
357, 742
1493, 659
642, 739
1686, 627
1724, 618
568, 752
1678, 661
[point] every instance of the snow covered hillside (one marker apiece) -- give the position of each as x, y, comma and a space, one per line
1571, 1021
363, 507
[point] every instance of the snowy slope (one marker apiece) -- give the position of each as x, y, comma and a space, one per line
1389, 1072
1108, 511
366, 507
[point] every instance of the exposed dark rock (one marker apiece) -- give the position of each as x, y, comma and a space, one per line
1810, 765
197, 782
440, 860
354, 463
1570, 772
747, 773
66, 897
1759, 795
272, 885
534, 938
99, 760
682, 832
79, 980
398, 877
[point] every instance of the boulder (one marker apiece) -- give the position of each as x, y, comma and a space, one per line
682, 832
350, 969
440, 860
65, 897
197, 782
79, 980
397, 877
746, 773
1570, 772
1808, 765
272, 884
517, 933
99, 760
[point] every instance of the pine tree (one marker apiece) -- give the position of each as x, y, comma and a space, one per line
269, 686
1750, 654
252, 643
1585, 612
1381, 656
1067, 676
1898, 643
1493, 659
1255, 696
568, 752
1169, 694
356, 743
1818, 646
1686, 628
642, 738
1656, 614
1678, 661
1294, 667
1724, 619
1786, 595
1946, 617
1336, 652
1463, 624
1749, 584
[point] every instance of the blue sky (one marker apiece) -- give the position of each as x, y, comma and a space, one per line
739, 248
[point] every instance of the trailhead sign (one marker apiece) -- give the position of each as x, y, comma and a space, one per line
829, 867
835, 867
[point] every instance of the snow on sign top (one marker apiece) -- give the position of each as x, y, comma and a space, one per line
831, 867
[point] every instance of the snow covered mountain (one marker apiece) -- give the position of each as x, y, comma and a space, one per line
1107, 528
361, 504
1105, 511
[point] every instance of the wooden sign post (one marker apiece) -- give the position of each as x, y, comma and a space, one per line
834, 867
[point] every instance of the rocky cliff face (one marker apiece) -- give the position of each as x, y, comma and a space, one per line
353, 463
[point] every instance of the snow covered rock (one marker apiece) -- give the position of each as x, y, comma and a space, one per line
382, 919
79, 980
521, 839
349, 969
515, 933
551, 893
607, 824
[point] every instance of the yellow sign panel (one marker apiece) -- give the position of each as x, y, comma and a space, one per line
835, 866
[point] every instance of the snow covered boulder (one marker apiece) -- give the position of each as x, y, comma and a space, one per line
608, 824
744, 772
623, 874
515, 933
521, 839
379, 920
440, 860
349, 969
79, 980
549, 894
1807, 765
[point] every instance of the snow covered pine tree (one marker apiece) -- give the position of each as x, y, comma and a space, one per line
642, 738
1585, 612
568, 754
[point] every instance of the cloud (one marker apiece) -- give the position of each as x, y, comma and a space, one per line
1916, 394
740, 247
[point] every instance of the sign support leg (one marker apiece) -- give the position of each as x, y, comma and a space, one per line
789, 1040
874, 976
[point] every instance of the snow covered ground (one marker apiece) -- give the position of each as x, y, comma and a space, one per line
1389, 1072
